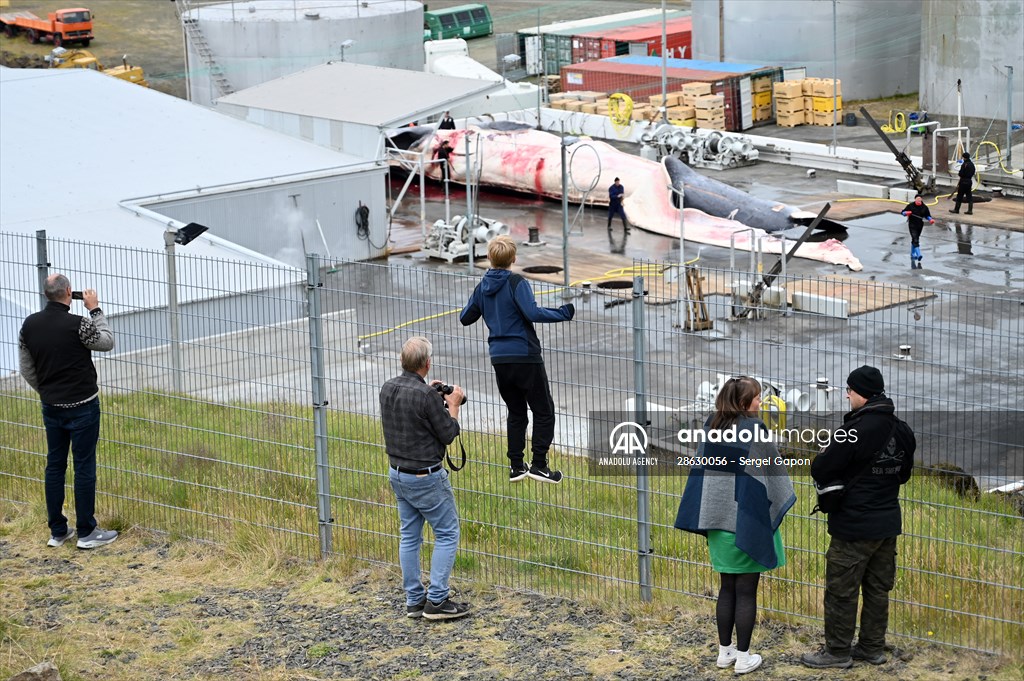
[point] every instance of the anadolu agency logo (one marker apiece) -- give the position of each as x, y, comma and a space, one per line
628, 442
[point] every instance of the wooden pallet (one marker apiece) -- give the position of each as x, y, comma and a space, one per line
618, 271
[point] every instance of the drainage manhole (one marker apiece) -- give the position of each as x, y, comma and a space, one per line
616, 284
543, 269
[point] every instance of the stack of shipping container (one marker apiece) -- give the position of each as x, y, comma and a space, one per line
746, 89
571, 42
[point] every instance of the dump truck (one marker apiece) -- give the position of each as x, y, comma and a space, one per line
60, 27
61, 58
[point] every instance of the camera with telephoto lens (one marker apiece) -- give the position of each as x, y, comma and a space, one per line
446, 389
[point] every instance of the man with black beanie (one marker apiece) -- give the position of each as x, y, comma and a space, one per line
55, 358
963, 187
872, 453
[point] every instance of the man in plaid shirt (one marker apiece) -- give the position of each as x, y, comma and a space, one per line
419, 423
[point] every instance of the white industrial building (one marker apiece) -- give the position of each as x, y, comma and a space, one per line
348, 106
124, 163
231, 46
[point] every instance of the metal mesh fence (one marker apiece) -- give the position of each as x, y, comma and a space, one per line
227, 448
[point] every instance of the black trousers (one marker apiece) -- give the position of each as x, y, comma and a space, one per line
524, 386
916, 227
963, 193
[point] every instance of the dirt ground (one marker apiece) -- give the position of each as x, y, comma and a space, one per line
146, 30
147, 607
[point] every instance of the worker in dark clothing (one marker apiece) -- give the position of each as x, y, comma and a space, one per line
916, 214
860, 565
963, 187
443, 152
447, 122
615, 193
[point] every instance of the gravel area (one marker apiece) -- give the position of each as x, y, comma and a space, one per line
146, 608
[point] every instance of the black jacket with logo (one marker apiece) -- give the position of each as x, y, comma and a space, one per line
870, 507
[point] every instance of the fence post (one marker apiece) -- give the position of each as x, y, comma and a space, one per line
316, 354
42, 264
643, 483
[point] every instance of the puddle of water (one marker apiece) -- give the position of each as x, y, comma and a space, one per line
953, 251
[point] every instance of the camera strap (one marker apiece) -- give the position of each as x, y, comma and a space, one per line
451, 464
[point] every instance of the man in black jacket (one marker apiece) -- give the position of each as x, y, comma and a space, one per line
873, 453
963, 187
55, 358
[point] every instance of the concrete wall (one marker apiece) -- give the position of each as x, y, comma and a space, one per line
974, 41
877, 41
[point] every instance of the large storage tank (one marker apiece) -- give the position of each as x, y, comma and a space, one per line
973, 42
251, 42
877, 43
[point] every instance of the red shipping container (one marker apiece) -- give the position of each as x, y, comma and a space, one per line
678, 38
640, 81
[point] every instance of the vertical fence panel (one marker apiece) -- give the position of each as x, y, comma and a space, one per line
237, 456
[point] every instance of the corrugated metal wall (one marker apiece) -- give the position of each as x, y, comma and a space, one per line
878, 42
281, 221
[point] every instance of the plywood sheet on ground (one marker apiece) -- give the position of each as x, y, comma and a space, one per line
863, 296
602, 268
999, 212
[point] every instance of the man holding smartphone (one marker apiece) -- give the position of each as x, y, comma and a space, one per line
55, 358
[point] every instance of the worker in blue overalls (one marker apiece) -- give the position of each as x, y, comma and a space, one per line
615, 193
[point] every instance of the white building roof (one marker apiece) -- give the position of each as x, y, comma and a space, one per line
366, 95
76, 144
290, 10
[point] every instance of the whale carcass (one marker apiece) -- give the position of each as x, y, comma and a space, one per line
518, 158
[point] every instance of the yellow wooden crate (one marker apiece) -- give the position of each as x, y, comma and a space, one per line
826, 103
763, 98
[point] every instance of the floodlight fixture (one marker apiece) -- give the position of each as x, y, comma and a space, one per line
186, 234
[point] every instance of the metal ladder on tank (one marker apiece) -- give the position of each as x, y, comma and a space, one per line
198, 41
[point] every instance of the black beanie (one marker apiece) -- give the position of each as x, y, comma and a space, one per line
866, 381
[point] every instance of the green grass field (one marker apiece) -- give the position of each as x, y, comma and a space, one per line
245, 476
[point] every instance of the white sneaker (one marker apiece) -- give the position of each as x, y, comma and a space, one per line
726, 656
97, 538
59, 541
747, 662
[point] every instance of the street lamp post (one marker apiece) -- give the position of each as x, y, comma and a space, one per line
182, 236
345, 44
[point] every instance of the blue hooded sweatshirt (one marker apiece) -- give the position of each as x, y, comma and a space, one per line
505, 301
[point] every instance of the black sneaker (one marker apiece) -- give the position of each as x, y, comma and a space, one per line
416, 609
445, 611
545, 475
859, 653
517, 473
823, 659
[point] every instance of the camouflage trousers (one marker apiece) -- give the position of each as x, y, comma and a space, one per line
855, 569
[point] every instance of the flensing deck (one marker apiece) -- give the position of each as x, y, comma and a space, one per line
600, 268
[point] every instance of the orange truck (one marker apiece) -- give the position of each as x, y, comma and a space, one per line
60, 27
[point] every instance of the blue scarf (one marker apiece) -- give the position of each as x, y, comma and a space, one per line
748, 500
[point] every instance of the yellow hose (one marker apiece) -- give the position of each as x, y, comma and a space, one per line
620, 110
773, 412
901, 124
999, 153
645, 270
